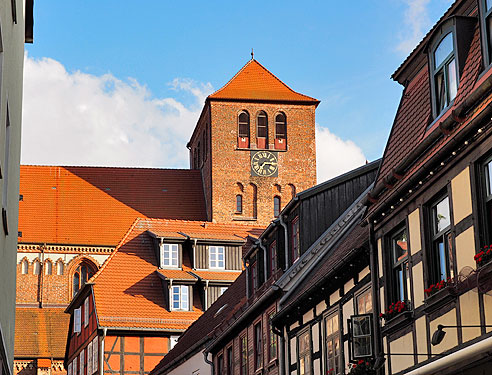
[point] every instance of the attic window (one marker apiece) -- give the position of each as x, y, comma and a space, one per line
486, 21
444, 73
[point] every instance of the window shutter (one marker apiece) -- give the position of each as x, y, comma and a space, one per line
76, 320
360, 337
81, 365
89, 359
95, 354
190, 300
74, 370
70, 368
86, 312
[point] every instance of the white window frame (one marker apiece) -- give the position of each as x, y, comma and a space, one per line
95, 354
76, 321
81, 364
86, 311
183, 293
89, 359
169, 249
213, 257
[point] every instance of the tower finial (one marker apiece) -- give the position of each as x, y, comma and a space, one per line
252, 54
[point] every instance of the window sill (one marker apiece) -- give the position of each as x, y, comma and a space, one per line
440, 299
244, 218
402, 319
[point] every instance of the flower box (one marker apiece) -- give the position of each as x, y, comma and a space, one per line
484, 256
361, 368
440, 297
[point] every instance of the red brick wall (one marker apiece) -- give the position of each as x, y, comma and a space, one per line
229, 166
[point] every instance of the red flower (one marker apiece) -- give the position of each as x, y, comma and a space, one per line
361, 361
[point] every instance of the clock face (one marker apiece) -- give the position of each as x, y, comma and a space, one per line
264, 164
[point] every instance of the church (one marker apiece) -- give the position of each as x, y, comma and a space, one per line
122, 260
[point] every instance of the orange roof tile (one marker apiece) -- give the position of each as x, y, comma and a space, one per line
217, 275
176, 274
128, 290
204, 230
255, 82
97, 205
40, 333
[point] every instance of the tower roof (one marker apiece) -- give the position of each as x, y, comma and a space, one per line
255, 82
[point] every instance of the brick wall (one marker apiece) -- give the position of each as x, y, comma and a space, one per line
227, 170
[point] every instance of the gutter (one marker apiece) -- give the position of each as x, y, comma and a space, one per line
442, 129
212, 367
470, 352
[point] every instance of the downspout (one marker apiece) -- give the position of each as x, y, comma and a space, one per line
101, 352
279, 333
206, 295
161, 261
194, 253
247, 278
205, 357
286, 240
373, 264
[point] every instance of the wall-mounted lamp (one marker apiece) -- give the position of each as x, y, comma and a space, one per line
439, 334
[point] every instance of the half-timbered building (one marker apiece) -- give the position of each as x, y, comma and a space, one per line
429, 212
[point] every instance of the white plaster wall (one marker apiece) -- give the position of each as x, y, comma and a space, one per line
194, 365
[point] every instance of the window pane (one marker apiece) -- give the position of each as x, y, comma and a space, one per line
441, 98
443, 50
452, 80
488, 3
442, 260
488, 172
441, 215
400, 246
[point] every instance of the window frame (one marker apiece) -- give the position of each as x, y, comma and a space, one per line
277, 204
239, 204
229, 352
262, 114
272, 258
181, 299
484, 199
86, 311
279, 135
220, 363
433, 258
172, 248
272, 338
307, 353
243, 354
332, 337
486, 34
295, 240
363, 292
395, 266
217, 260
244, 124
258, 345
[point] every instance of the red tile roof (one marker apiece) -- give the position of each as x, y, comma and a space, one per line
217, 275
410, 127
169, 274
195, 337
40, 333
128, 290
255, 82
97, 205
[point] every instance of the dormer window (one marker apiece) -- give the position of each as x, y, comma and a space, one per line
444, 73
216, 257
180, 297
486, 21
169, 255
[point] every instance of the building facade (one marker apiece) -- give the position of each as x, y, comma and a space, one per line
16, 28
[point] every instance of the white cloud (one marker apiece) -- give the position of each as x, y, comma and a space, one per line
334, 155
83, 119
417, 22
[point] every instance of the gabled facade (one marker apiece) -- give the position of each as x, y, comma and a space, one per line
429, 208
255, 146
149, 291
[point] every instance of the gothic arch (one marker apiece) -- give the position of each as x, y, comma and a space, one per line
81, 269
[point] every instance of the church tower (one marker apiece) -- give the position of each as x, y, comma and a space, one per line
255, 146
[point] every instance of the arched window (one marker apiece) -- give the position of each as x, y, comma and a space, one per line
239, 204
24, 267
276, 206
445, 73
292, 190
83, 273
36, 267
243, 130
60, 267
280, 131
48, 268
262, 130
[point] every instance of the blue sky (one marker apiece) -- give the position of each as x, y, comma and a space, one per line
175, 53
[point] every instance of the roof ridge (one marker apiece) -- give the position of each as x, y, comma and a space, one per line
120, 244
106, 167
203, 222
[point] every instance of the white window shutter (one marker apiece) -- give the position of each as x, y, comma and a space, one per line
89, 358
95, 354
81, 365
76, 320
70, 368
74, 370
86, 312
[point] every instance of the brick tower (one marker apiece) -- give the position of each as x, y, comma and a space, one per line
255, 146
